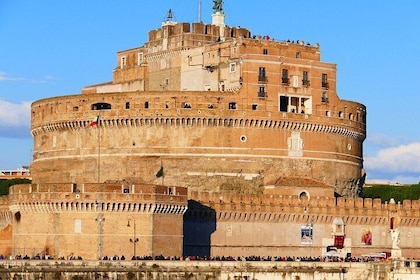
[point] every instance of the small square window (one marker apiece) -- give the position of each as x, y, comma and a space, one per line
232, 67
254, 107
140, 58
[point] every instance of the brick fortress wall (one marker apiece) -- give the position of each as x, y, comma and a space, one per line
95, 220
201, 148
271, 224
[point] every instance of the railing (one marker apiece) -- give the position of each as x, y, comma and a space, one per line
262, 94
262, 79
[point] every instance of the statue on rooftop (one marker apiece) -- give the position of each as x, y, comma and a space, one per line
395, 235
218, 6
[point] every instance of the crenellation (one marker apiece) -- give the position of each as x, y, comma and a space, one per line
367, 203
407, 204
377, 204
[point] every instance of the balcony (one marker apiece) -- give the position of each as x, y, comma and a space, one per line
285, 81
306, 83
325, 85
262, 94
262, 79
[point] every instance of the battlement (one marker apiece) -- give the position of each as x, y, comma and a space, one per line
223, 202
92, 197
197, 31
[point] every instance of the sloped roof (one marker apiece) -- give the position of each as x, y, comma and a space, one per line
297, 182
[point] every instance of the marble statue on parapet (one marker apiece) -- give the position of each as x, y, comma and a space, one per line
395, 235
218, 6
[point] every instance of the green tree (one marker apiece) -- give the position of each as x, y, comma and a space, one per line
398, 193
5, 184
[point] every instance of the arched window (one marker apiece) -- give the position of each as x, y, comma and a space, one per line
392, 223
101, 106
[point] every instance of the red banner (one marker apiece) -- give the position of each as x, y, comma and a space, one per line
339, 241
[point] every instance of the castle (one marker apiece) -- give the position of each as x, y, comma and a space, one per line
208, 141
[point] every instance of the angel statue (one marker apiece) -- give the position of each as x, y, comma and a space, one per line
218, 5
395, 235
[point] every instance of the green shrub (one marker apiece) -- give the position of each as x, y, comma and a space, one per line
398, 193
5, 184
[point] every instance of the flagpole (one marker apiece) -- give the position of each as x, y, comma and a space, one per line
100, 218
163, 175
99, 150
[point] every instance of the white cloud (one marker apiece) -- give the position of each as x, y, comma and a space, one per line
47, 79
402, 159
15, 115
382, 141
5, 77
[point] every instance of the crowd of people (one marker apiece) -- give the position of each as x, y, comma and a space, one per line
203, 258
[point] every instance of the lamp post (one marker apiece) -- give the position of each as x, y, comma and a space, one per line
133, 240
100, 220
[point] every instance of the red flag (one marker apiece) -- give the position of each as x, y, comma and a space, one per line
95, 121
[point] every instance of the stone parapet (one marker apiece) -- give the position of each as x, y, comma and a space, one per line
262, 270
98, 197
353, 209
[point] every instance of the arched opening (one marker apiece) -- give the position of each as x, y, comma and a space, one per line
101, 106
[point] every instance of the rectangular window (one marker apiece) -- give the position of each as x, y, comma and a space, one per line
140, 58
305, 79
232, 105
261, 92
284, 103
265, 51
325, 81
146, 105
123, 62
232, 67
324, 97
262, 75
285, 77
127, 105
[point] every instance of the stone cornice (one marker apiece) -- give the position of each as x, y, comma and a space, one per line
103, 207
199, 121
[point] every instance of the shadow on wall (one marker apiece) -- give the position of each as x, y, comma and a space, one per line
199, 224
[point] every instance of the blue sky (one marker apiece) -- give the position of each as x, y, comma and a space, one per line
51, 48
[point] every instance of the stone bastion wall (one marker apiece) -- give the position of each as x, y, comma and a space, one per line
272, 224
95, 220
212, 224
